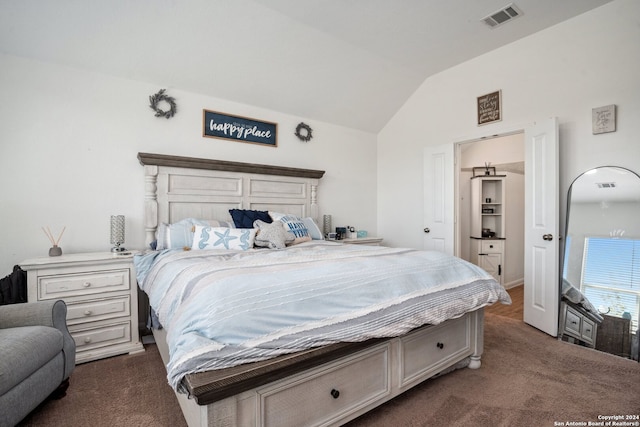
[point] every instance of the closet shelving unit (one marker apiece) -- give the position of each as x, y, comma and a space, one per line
488, 223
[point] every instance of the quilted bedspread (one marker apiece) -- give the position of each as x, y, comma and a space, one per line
225, 308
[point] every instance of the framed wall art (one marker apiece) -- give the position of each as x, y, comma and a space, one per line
490, 108
238, 128
603, 119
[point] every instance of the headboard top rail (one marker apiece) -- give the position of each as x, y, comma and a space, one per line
149, 159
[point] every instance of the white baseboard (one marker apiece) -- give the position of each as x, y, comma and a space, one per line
514, 283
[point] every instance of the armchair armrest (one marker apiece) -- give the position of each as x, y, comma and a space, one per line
42, 313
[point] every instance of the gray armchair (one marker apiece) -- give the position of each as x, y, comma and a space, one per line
37, 355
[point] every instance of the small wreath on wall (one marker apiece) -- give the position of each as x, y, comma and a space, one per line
304, 132
160, 97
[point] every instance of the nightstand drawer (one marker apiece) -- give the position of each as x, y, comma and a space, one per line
572, 322
588, 330
491, 247
88, 311
100, 336
64, 286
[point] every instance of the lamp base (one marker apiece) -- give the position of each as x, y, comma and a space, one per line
118, 249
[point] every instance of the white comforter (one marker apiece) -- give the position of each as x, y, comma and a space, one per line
225, 308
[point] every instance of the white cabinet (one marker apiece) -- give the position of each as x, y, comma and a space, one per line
489, 255
101, 296
488, 224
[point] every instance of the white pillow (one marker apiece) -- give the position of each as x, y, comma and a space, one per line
314, 230
179, 234
223, 238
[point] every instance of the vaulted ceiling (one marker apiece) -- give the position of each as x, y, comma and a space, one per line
347, 62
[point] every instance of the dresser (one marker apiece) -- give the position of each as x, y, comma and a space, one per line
101, 296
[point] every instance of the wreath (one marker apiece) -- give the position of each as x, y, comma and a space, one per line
303, 132
159, 97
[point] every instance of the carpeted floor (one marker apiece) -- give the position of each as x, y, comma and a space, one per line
527, 379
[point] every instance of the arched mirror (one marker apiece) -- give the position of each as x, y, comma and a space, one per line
600, 302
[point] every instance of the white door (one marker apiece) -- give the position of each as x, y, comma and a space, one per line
541, 291
439, 197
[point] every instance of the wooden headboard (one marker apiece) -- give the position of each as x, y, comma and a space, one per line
186, 187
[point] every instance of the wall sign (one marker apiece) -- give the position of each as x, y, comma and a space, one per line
237, 128
603, 119
490, 108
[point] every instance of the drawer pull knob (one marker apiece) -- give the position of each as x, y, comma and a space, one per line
87, 340
87, 312
588, 330
335, 393
440, 345
574, 322
86, 284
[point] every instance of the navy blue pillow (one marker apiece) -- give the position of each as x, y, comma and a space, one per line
243, 218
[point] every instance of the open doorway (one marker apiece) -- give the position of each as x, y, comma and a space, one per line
505, 157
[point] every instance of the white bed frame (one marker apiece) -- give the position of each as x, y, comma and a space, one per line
340, 388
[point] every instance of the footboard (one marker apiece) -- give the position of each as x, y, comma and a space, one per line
345, 387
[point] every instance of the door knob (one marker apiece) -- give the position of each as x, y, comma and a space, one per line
426, 230
547, 237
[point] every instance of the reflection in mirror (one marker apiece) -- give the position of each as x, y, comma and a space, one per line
600, 302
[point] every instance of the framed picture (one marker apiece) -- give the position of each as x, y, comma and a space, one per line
238, 128
603, 119
490, 108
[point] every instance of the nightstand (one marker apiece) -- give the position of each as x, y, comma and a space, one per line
371, 241
101, 295
577, 324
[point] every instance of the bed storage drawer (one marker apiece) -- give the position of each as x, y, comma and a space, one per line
428, 351
328, 394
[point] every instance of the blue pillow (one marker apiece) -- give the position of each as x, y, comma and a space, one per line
244, 218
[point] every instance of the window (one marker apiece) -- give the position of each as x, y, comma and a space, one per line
611, 276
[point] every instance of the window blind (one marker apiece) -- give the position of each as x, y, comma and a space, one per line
611, 276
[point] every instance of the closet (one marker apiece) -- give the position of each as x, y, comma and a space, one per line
502, 246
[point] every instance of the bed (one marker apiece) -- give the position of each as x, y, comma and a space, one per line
363, 338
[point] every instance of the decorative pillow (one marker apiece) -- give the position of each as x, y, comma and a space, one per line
273, 235
294, 225
178, 234
223, 238
312, 227
244, 218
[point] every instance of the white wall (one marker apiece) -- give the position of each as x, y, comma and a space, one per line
69, 141
590, 61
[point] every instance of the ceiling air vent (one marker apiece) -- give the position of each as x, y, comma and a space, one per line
505, 14
606, 184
